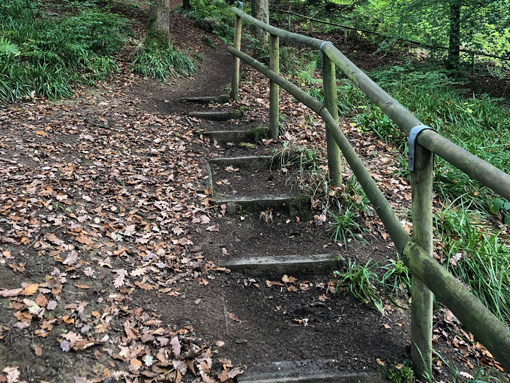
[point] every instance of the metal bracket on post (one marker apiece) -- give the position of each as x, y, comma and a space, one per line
322, 53
411, 140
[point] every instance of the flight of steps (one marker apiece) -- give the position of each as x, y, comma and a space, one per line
247, 185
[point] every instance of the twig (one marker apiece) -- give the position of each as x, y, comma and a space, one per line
189, 122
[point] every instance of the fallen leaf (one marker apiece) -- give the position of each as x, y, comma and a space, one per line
12, 374
176, 345
71, 258
30, 289
10, 293
38, 349
234, 318
213, 228
82, 286
287, 279
41, 300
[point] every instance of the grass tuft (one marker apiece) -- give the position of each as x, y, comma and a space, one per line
360, 282
161, 62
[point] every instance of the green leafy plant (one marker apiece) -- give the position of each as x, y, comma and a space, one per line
7, 48
208, 41
400, 373
292, 154
476, 256
161, 62
481, 375
345, 225
499, 206
44, 54
360, 282
396, 281
212, 16
257, 134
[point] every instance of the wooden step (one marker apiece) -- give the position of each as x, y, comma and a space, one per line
295, 265
217, 115
207, 99
307, 371
222, 136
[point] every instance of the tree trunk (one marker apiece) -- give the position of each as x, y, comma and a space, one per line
186, 5
152, 15
260, 10
453, 62
159, 22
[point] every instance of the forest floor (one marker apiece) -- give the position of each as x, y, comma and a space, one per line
110, 241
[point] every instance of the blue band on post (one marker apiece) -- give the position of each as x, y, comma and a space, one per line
322, 53
411, 140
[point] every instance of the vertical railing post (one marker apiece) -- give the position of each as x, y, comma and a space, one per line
238, 28
330, 100
421, 305
274, 89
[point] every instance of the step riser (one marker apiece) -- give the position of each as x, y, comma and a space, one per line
277, 266
222, 137
259, 162
206, 99
216, 116
307, 371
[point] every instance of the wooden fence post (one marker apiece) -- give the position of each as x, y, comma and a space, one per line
238, 28
421, 306
331, 103
274, 89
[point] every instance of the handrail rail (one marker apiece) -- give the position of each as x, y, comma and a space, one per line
468, 51
417, 252
470, 164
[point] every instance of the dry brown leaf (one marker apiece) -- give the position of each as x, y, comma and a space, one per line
213, 228
41, 300
10, 293
84, 287
30, 289
234, 317
176, 345
38, 349
287, 279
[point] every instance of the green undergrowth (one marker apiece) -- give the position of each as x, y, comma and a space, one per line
212, 16
44, 51
479, 124
477, 255
472, 227
473, 240
158, 62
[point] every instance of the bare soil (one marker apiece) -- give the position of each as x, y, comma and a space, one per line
110, 243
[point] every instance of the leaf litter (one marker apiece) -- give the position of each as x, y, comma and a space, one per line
96, 211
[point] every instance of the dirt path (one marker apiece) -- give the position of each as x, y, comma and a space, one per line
110, 244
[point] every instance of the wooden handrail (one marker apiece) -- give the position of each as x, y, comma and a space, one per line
417, 252
470, 164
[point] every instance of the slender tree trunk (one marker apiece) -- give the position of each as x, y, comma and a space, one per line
186, 5
159, 22
453, 62
260, 10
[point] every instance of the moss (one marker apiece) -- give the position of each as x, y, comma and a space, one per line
257, 134
246, 145
301, 207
